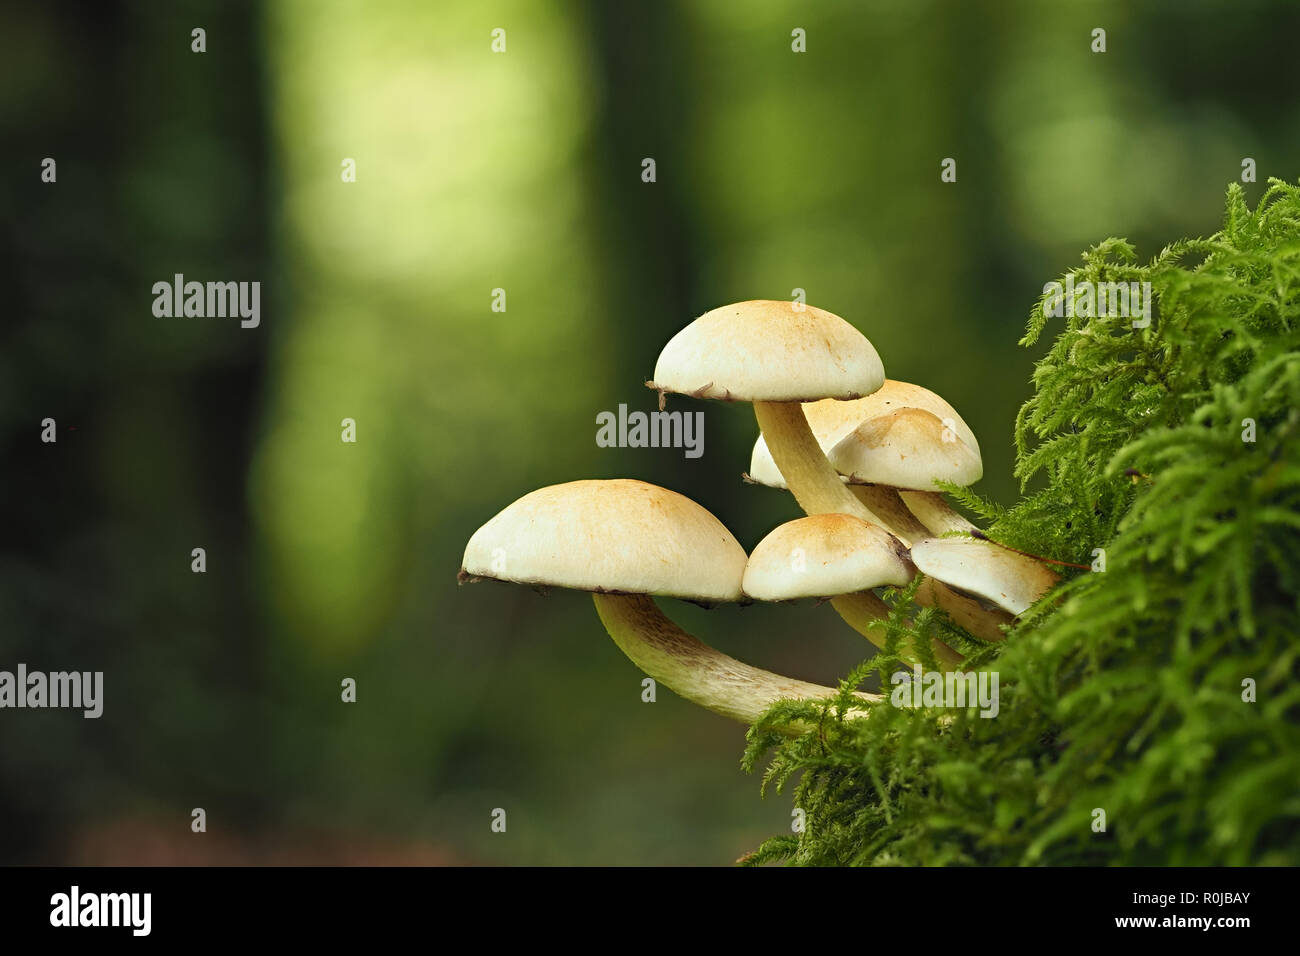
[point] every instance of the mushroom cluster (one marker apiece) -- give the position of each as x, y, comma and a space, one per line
860, 453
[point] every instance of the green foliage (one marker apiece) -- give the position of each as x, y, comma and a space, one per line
1123, 689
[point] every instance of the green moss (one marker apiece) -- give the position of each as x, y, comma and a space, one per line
1123, 690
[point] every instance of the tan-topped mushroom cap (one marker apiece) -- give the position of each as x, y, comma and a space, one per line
824, 556
995, 574
619, 536
907, 448
766, 351
831, 420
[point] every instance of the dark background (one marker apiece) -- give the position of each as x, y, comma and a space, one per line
478, 171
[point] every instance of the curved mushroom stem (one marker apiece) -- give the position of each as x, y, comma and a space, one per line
864, 612
813, 481
692, 669
934, 513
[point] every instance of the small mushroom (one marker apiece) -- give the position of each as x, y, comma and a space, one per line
991, 573
906, 448
838, 557
625, 541
830, 421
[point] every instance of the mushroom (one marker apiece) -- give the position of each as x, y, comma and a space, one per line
778, 355
838, 557
992, 573
906, 448
830, 421
625, 541
909, 449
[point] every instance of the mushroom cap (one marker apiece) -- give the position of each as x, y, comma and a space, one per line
906, 448
1005, 578
620, 536
824, 556
766, 351
831, 420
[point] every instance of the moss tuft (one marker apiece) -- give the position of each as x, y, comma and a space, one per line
1123, 690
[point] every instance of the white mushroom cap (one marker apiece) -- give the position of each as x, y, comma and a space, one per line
824, 556
765, 351
907, 448
620, 536
831, 420
997, 575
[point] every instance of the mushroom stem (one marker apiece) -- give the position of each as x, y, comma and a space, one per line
935, 513
692, 669
864, 612
815, 484
965, 611
885, 501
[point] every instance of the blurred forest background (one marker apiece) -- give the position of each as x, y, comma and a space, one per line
475, 171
